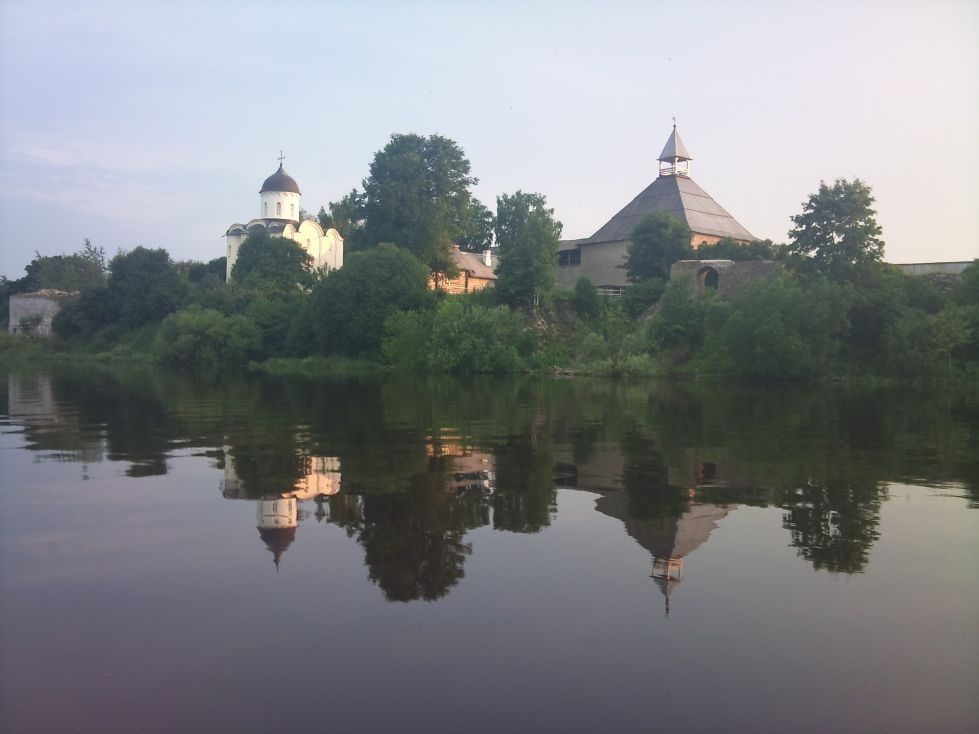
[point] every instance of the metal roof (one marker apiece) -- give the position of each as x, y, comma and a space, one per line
674, 149
679, 196
280, 181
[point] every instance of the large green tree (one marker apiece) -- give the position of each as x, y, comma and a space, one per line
272, 264
144, 286
527, 235
837, 232
657, 242
347, 309
417, 197
477, 227
346, 217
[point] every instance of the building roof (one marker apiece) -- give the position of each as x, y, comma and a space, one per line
676, 195
472, 262
674, 150
280, 181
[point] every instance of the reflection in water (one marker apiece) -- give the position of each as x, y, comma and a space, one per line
424, 465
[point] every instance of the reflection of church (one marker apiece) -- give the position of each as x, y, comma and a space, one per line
278, 514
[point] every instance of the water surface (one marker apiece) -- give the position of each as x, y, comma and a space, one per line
241, 554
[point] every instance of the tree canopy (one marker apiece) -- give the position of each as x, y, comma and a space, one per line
346, 217
144, 286
347, 309
657, 242
527, 235
417, 197
837, 231
272, 264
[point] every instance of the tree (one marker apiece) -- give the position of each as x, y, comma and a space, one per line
272, 264
417, 196
144, 287
346, 217
527, 235
477, 228
837, 232
586, 301
657, 242
727, 248
347, 309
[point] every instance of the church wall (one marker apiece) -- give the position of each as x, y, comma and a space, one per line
288, 200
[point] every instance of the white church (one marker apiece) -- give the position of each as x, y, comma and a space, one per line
280, 218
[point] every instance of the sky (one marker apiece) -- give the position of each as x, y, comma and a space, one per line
155, 123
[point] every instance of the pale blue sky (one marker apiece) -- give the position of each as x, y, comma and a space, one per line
155, 122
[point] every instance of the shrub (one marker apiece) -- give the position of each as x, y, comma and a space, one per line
201, 337
586, 300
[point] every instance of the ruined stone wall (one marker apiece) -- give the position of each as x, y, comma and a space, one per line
32, 313
730, 274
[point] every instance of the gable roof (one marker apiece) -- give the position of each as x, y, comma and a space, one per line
679, 196
473, 263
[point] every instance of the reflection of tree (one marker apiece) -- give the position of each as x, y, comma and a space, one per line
646, 480
525, 498
834, 525
413, 541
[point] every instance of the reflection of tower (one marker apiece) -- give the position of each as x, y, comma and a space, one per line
277, 520
669, 538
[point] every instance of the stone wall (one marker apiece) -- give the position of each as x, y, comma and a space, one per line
724, 276
35, 311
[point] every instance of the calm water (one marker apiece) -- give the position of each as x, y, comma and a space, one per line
525, 555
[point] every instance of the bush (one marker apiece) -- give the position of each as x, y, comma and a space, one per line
347, 309
639, 296
681, 318
776, 329
458, 336
586, 301
201, 337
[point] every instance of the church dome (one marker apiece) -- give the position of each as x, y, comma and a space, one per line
280, 181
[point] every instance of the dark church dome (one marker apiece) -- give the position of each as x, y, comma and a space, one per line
280, 181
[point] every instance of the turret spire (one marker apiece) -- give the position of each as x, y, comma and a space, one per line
674, 160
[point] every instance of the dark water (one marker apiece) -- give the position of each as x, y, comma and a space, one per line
522, 555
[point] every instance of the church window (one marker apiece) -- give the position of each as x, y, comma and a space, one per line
278, 208
266, 205
292, 211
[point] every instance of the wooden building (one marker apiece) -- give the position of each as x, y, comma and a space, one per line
476, 271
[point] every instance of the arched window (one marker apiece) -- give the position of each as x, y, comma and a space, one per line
292, 211
265, 211
278, 208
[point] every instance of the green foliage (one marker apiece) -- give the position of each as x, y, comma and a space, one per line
346, 217
210, 273
458, 336
527, 236
680, 320
274, 318
657, 242
144, 287
197, 337
776, 329
587, 303
477, 228
837, 234
731, 249
272, 264
417, 196
642, 294
347, 309
84, 316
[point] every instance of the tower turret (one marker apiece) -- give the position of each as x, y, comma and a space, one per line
280, 196
674, 160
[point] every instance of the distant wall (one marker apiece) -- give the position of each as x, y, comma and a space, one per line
32, 313
946, 268
724, 276
602, 263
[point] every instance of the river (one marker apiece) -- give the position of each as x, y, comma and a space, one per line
246, 553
